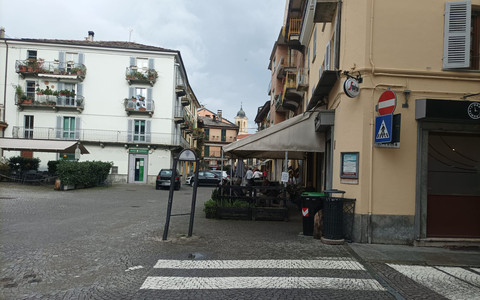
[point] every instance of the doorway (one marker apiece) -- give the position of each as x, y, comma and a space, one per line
453, 185
138, 168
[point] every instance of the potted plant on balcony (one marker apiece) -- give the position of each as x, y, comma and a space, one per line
39, 91
152, 74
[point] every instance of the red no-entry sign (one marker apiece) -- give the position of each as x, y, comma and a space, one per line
387, 103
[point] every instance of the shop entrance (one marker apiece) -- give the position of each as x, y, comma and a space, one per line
453, 185
138, 170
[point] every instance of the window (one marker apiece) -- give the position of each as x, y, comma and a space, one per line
71, 59
30, 90
461, 49
70, 99
140, 93
142, 63
69, 127
28, 121
139, 131
206, 151
207, 134
224, 135
31, 54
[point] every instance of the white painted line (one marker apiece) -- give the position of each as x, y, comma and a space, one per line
134, 268
386, 103
440, 282
343, 264
208, 283
462, 274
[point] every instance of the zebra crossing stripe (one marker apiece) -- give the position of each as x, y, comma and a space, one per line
450, 282
343, 263
209, 283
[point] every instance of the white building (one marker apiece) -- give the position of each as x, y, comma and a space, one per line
124, 102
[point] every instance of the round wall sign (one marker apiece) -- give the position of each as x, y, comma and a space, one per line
351, 87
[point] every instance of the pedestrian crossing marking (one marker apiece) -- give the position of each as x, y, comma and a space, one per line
343, 263
383, 132
209, 283
450, 282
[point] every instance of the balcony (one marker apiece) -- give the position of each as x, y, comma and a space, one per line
97, 136
141, 76
179, 114
279, 103
324, 10
302, 80
139, 106
180, 86
50, 69
291, 96
185, 100
54, 102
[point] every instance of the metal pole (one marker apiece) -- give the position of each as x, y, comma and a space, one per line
170, 199
194, 198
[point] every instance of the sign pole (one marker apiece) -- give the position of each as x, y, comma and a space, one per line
194, 199
170, 199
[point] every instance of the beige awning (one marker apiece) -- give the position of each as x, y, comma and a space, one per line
296, 135
41, 145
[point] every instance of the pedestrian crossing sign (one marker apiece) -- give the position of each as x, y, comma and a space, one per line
383, 129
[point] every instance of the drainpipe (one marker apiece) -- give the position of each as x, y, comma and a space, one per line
337, 34
370, 196
2, 30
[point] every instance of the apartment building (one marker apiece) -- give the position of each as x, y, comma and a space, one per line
391, 91
121, 102
217, 132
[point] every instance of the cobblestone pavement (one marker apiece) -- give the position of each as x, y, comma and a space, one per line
106, 243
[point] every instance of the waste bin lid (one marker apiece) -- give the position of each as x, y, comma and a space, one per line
313, 194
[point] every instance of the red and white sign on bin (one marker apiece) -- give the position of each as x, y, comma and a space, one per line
387, 103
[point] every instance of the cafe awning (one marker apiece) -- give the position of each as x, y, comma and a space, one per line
41, 145
296, 135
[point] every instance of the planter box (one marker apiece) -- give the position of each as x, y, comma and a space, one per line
234, 213
270, 213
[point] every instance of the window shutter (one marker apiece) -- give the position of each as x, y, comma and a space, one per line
456, 40
327, 57
149, 99
80, 90
133, 61
148, 131
77, 128
61, 99
58, 129
151, 63
130, 131
61, 61
81, 59
131, 92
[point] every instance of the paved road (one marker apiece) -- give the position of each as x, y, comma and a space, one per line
106, 243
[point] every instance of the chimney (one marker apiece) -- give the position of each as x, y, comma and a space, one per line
90, 36
219, 114
2, 32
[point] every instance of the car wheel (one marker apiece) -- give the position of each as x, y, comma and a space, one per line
157, 187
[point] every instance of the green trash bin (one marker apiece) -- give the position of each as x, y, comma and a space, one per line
311, 203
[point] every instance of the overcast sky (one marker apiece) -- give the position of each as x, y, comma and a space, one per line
225, 44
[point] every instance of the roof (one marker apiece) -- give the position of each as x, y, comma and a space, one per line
210, 122
104, 44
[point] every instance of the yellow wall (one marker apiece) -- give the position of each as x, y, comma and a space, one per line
405, 53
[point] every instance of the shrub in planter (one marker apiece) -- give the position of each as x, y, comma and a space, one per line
4, 170
210, 209
88, 173
20, 164
52, 166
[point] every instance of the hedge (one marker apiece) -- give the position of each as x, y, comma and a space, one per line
21, 164
88, 173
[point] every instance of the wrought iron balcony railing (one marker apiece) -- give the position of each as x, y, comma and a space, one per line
134, 105
97, 135
135, 75
54, 69
51, 101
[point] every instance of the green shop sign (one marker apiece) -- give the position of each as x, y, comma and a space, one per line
138, 151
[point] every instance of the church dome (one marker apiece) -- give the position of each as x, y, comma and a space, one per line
241, 113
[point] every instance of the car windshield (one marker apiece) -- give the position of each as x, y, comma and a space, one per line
166, 173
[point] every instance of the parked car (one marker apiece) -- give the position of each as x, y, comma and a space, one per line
163, 179
205, 178
222, 174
